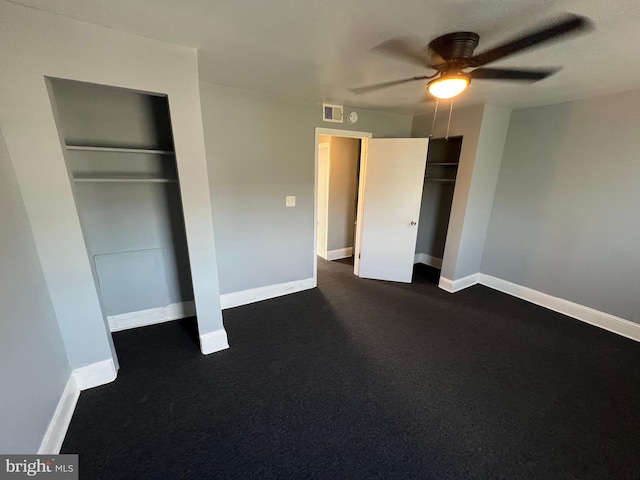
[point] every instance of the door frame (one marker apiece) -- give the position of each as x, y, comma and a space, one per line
323, 248
363, 136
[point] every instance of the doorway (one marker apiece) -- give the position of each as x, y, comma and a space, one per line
405, 186
338, 157
338, 167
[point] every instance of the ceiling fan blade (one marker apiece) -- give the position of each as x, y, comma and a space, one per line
569, 24
505, 74
435, 58
403, 49
378, 86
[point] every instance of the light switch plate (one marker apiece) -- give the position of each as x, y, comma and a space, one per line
290, 201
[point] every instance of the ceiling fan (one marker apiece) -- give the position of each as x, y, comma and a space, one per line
452, 54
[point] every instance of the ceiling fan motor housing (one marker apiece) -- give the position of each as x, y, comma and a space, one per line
455, 48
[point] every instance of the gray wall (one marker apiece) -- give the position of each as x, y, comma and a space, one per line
259, 151
344, 157
565, 218
134, 231
34, 363
486, 168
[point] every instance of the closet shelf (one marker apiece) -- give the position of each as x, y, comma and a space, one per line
125, 179
118, 150
443, 164
443, 180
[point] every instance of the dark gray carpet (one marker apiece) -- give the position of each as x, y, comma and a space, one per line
366, 379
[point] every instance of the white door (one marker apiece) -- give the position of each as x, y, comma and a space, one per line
393, 177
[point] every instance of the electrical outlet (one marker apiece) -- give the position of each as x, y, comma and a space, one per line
290, 201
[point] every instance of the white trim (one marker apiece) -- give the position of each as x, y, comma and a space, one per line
95, 374
323, 248
214, 342
141, 318
333, 132
339, 253
82, 378
427, 259
59, 424
589, 315
453, 286
244, 297
364, 153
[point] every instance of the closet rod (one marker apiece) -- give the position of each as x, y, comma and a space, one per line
118, 150
126, 180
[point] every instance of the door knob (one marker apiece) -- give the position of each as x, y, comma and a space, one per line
412, 223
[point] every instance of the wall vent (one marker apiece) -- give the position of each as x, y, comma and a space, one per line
332, 113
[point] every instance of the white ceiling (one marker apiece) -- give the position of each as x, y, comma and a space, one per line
304, 50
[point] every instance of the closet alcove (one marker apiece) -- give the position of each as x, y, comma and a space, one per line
120, 158
441, 170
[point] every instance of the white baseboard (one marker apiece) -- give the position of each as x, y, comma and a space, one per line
244, 297
453, 286
95, 374
427, 260
59, 424
589, 315
339, 253
214, 341
81, 378
141, 318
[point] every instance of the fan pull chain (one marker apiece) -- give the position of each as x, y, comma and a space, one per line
433, 125
449, 124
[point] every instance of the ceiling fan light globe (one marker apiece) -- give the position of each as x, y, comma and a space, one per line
448, 86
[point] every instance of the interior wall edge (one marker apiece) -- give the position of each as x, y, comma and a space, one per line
491, 143
467, 122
